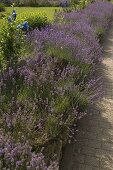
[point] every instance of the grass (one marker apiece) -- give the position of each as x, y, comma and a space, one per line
49, 11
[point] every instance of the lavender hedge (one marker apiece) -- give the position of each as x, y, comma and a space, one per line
43, 95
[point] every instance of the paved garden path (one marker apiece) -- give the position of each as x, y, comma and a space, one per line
94, 147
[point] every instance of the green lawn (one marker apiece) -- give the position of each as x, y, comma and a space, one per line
49, 11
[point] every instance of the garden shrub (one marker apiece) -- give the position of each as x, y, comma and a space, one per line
2, 7
100, 34
2, 15
37, 3
20, 156
7, 2
39, 21
11, 45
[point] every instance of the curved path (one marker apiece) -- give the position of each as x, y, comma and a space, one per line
94, 147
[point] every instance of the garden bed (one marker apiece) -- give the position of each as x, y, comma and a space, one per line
47, 82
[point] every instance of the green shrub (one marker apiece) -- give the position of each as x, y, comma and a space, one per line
100, 33
37, 21
11, 44
2, 7
52, 125
2, 15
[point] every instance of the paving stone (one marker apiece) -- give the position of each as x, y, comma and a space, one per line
92, 129
87, 167
93, 143
91, 160
104, 154
106, 165
95, 168
93, 123
81, 167
87, 135
79, 158
105, 125
88, 151
107, 146
102, 137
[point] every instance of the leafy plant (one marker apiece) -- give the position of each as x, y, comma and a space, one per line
37, 21
2, 7
52, 126
11, 45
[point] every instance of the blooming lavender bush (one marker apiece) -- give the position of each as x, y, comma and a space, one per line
19, 156
74, 42
96, 15
44, 92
